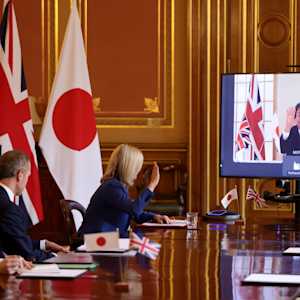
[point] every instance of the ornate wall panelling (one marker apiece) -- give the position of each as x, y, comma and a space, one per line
208, 28
195, 122
133, 69
138, 78
275, 33
131, 74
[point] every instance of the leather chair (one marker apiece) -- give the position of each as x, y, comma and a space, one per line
67, 206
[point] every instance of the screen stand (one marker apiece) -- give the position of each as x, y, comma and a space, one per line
297, 203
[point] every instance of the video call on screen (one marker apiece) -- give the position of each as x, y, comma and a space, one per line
260, 126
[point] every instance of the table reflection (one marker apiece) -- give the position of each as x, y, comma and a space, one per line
208, 263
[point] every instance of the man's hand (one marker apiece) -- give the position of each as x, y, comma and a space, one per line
51, 246
290, 119
162, 219
14, 264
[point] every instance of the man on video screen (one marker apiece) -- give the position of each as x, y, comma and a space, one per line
290, 138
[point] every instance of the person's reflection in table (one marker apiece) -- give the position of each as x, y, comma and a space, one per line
9, 286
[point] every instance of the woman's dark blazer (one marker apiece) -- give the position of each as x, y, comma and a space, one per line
111, 209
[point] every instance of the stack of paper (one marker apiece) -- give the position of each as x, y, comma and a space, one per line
292, 251
259, 278
51, 271
174, 223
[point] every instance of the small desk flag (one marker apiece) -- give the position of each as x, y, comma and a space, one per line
101, 241
253, 195
144, 246
229, 197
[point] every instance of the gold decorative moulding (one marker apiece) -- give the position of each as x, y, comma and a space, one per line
97, 104
151, 105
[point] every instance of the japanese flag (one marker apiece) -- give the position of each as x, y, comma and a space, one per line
102, 241
229, 197
69, 139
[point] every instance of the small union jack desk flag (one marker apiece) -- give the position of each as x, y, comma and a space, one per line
144, 246
253, 195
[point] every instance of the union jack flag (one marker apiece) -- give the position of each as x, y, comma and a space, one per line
243, 137
251, 131
252, 195
144, 246
16, 129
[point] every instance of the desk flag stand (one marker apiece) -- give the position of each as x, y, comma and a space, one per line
225, 214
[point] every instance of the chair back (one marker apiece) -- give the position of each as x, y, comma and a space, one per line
67, 206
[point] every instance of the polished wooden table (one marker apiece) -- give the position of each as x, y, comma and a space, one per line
208, 263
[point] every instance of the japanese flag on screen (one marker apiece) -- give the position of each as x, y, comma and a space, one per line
102, 241
69, 139
276, 132
229, 197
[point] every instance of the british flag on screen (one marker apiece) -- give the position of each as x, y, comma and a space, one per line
243, 136
16, 130
251, 132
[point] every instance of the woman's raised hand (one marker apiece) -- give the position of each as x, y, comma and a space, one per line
154, 179
290, 119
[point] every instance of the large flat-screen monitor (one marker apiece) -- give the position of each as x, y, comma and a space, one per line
260, 125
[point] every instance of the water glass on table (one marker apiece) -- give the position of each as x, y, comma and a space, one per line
192, 220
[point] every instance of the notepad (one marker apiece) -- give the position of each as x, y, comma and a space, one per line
260, 278
174, 223
292, 251
51, 271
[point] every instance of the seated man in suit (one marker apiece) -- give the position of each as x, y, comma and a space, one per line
14, 173
290, 138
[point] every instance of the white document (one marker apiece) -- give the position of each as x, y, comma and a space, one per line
292, 250
62, 273
272, 278
174, 223
49, 268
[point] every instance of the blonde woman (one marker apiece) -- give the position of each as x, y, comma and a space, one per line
110, 207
